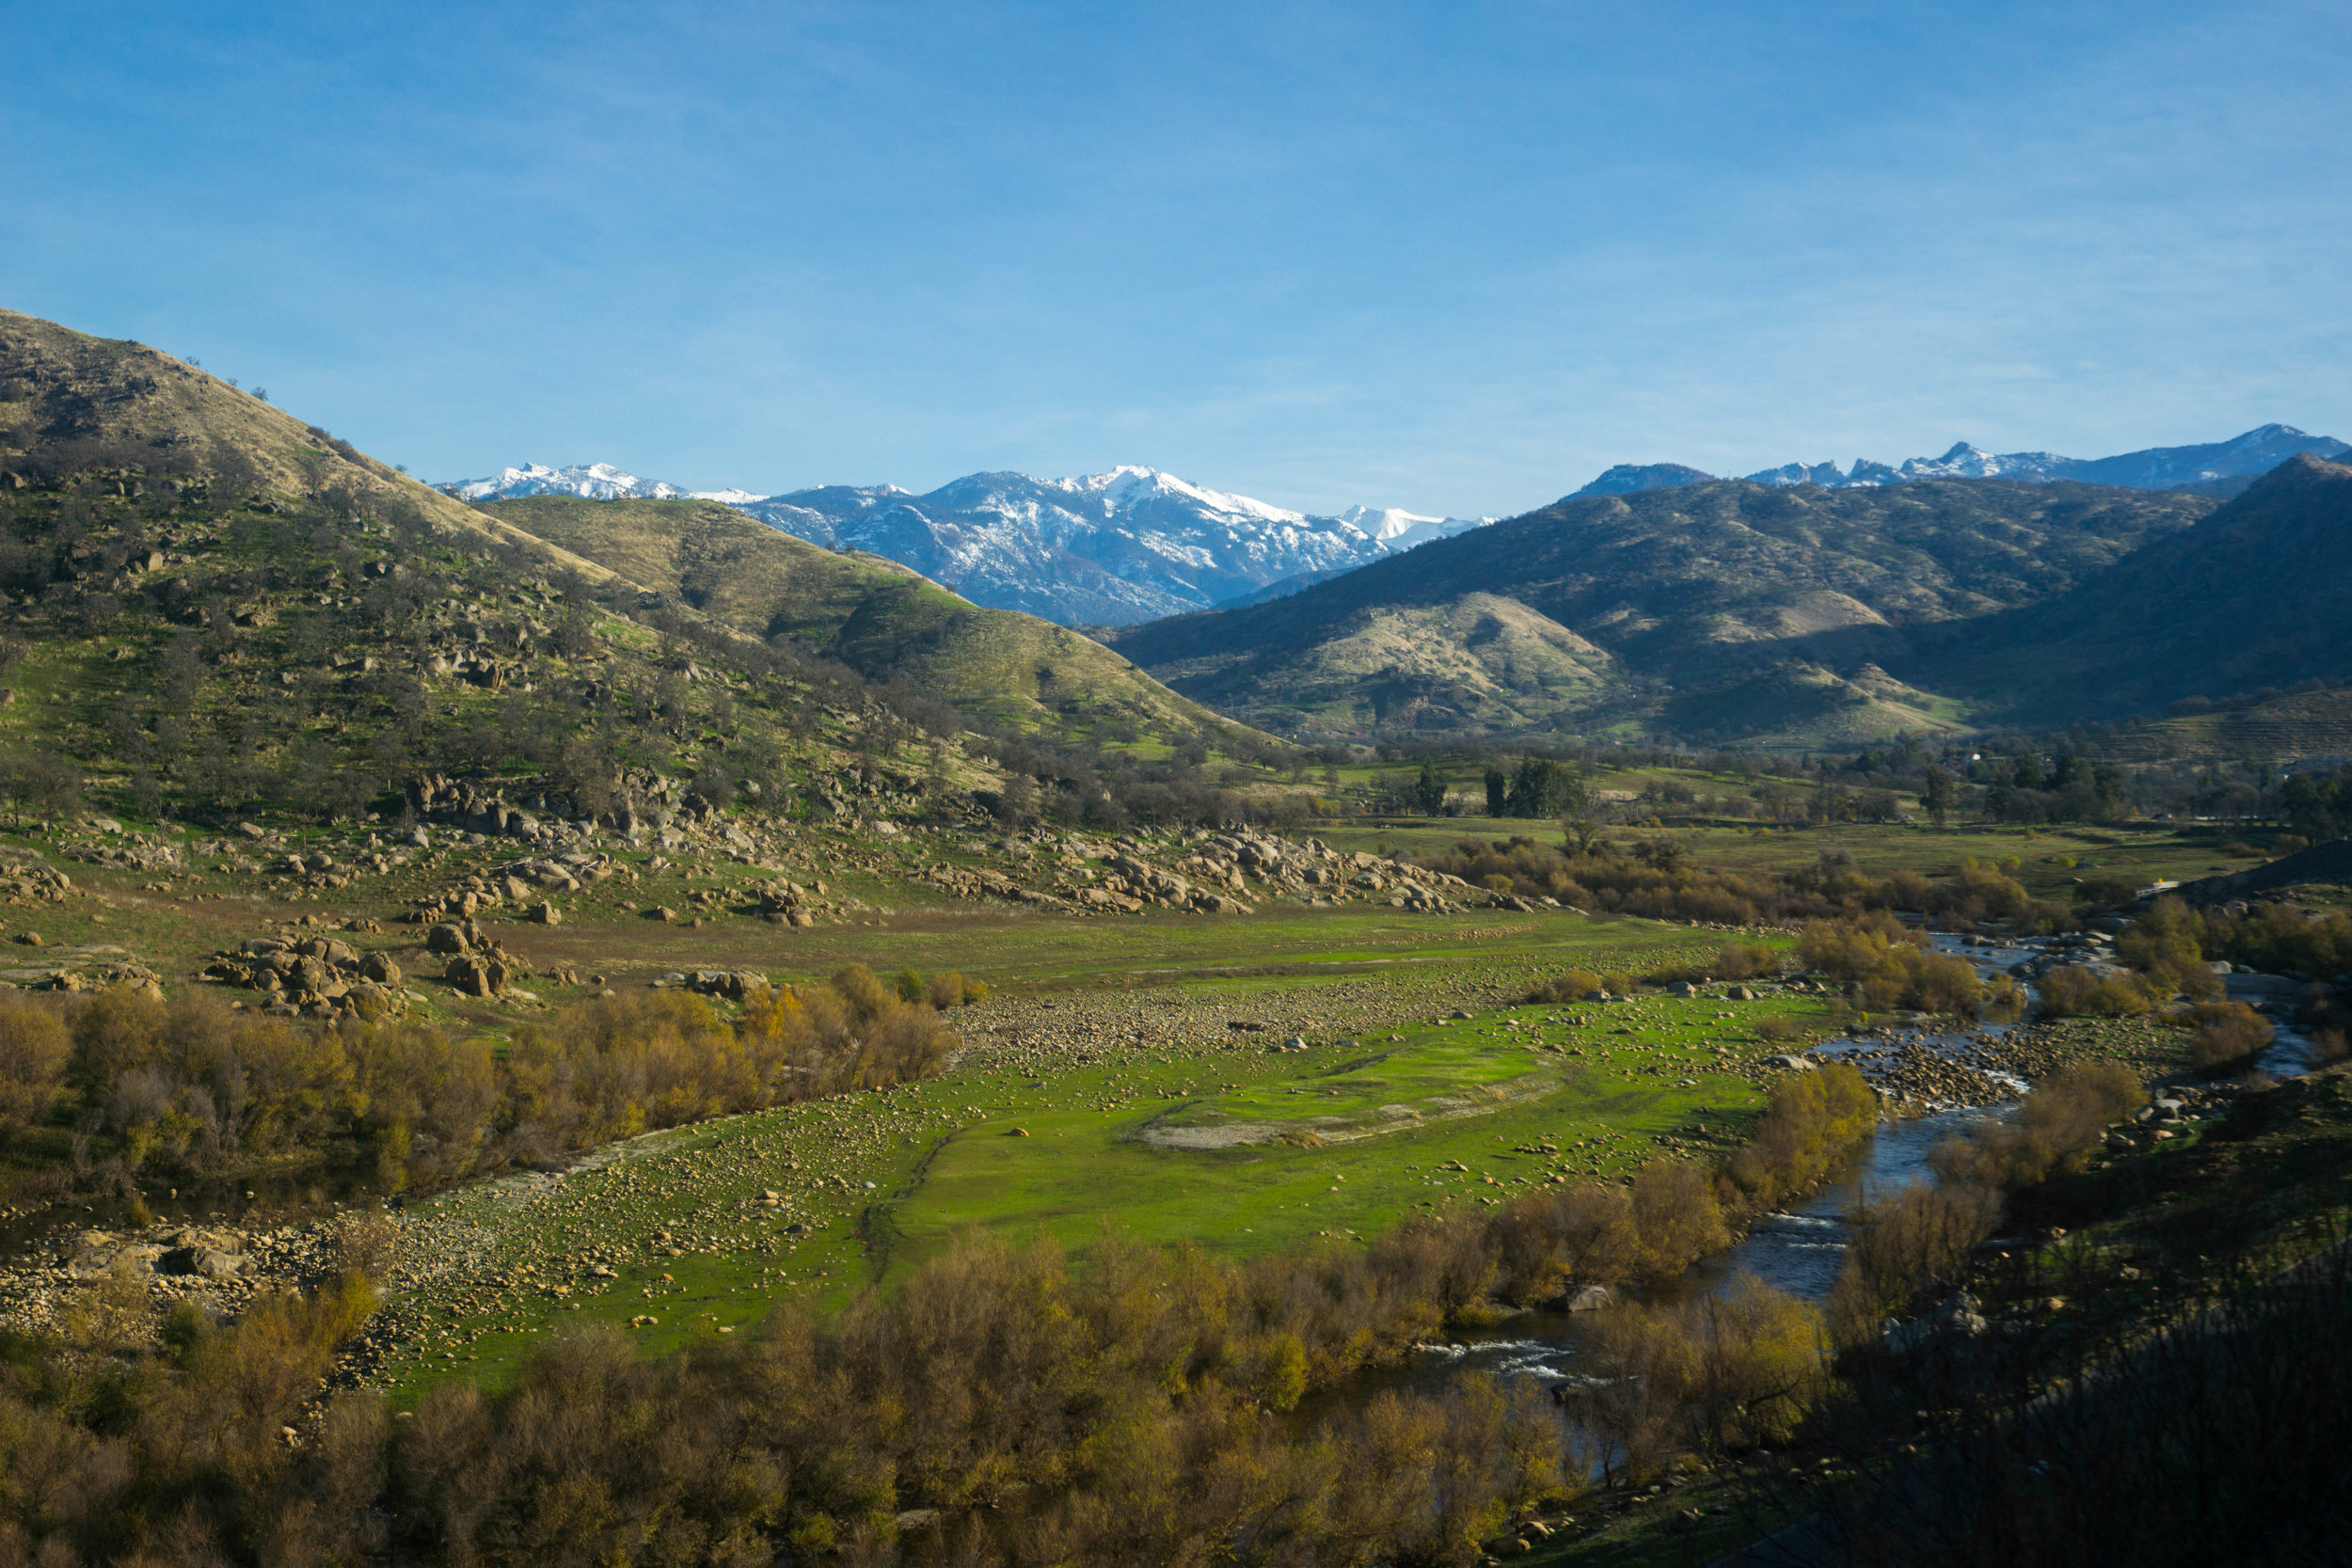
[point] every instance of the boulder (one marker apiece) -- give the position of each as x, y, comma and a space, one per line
546, 914
380, 968
447, 938
473, 975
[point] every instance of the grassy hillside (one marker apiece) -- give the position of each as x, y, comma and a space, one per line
877, 617
2299, 724
215, 608
1715, 612
72, 404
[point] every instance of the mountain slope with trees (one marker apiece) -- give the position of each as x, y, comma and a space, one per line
214, 608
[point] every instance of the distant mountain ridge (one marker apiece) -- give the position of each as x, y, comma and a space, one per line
2210, 467
595, 482
1113, 548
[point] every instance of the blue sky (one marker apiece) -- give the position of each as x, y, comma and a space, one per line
1454, 256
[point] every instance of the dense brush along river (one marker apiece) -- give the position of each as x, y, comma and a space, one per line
1798, 1250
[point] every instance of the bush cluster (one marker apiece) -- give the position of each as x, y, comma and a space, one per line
2176, 941
191, 1085
1915, 1243
1886, 965
1654, 879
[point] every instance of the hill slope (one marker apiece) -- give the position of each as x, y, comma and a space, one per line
1720, 611
2259, 594
215, 609
74, 404
879, 618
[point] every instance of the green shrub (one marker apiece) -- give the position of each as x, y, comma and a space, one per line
1573, 985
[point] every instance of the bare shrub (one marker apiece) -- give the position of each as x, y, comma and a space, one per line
1725, 1371
2074, 992
1813, 1122
1915, 1242
34, 1051
2227, 1035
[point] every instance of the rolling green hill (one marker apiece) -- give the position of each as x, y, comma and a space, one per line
1727, 611
879, 618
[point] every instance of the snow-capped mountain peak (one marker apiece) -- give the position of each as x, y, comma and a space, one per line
596, 481
1400, 530
1130, 544
1970, 461
1128, 486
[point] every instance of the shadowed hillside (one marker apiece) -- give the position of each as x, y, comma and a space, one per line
2258, 595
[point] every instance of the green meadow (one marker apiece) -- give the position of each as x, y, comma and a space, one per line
1339, 1141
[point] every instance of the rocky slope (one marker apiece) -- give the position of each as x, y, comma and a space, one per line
215, 610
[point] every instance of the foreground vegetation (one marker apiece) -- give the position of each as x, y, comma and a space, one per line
995, 1407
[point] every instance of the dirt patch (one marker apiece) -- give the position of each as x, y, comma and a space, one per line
1342, 1130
